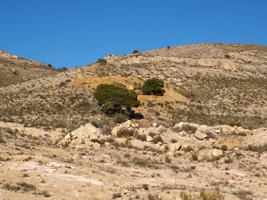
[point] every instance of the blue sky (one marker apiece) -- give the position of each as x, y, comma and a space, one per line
77, 32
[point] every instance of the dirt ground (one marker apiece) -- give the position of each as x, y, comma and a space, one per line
33, 167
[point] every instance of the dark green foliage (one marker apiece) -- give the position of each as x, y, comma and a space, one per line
157, 139
141, 137
224, 147
145, 186
112, 96
102, 61
135, 51
63, 69
227, 56
49, 65
153, 86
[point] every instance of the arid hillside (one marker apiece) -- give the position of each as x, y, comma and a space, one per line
206, 83
15, 70
205, 138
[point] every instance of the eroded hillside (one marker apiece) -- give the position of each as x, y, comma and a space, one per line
14, 69
57, 143
222, 84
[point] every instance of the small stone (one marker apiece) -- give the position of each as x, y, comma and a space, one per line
149, 138
96, 145
200, 136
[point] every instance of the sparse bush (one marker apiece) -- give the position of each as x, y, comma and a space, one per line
157, 139
227, 56
64, 69
141, 137
188, 128
242, 194
152, 134
141, 162
188, 149
167, 159
224, 148
173, 140
120, 118
203, 195
2, 139
259, 148
125, 133
194, 156
50, 65
26, 186
214, 195
145, 186
102, 61
228, 160
135, 51
153, 86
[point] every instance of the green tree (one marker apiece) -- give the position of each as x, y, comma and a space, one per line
49, 65
64, 69
135, 51
153, 86
118, 97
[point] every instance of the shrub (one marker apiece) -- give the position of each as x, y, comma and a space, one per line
259, 149
152, 134
49, 65
188, 128
64, 69
157, 139
167, 159
145, 186
135, 51
213, 195
2, 139
141, 162
26, 186
125, 133
101, 61
224, 147
153, 86
173, 141
112, 96
227, 56
120, 118
141, 137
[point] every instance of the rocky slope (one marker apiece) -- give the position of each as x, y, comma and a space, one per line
219, 84
56, 143
90, 164
14, 69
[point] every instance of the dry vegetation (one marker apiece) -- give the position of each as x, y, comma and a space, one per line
205, 83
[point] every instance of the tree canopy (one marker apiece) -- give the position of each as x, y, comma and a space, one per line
153, 86
112, 96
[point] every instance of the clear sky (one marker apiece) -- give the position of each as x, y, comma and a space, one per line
77, 32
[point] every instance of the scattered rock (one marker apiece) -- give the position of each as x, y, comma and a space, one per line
209, 154
81, 136
200, 136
